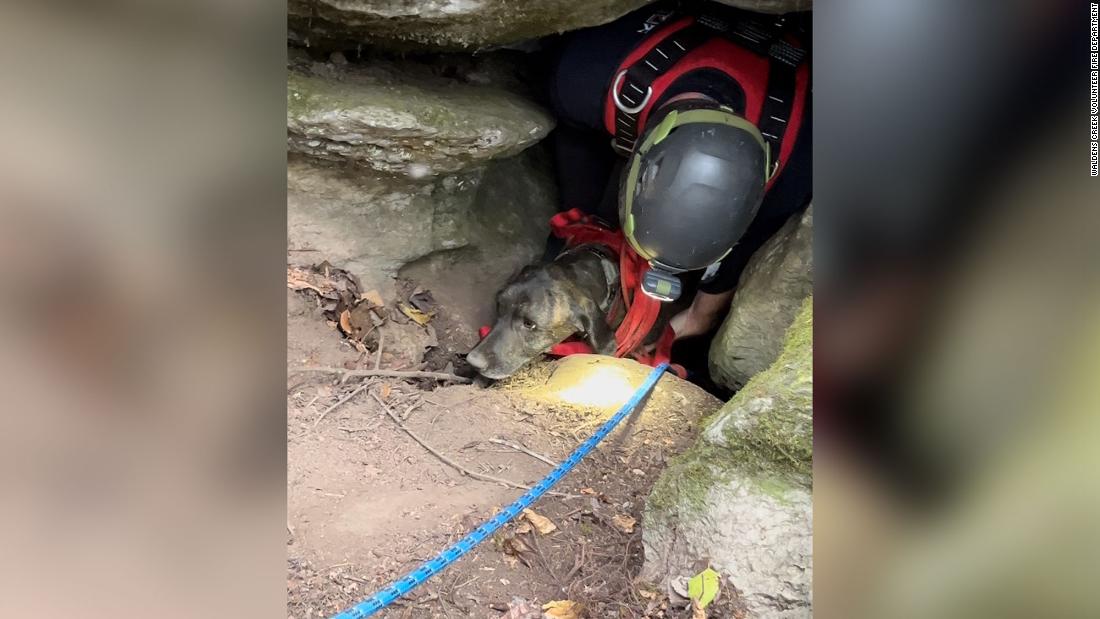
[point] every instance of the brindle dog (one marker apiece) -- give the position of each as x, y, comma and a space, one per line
547, 303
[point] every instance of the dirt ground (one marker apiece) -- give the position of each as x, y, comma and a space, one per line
367, 503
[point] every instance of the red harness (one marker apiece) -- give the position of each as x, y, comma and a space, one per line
576, 228
751, 70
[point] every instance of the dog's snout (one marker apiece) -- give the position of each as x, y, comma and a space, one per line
477, 359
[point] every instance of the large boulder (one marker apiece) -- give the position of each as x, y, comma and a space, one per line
394, 161
395, 119
775, 282
741, 496
373, 224
444, 24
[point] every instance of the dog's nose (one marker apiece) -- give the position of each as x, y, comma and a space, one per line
477, 359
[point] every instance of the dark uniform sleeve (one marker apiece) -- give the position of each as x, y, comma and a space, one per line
789, 195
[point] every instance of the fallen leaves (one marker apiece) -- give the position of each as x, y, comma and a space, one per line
562, 609
373, 297
624, 523
415, 315
357, 315
541, 523
327, 281
515, 548
520, 608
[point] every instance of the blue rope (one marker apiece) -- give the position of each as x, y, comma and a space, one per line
430, 568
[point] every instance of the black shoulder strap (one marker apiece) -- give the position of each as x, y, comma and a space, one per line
633, 87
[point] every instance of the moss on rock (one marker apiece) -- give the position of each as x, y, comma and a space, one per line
765, 431
741, 496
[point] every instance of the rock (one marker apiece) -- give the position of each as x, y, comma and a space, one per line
400, 119
778, 277
771, 6
741, 496
444, 24
373, 224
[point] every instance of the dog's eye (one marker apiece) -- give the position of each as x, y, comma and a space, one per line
529, 324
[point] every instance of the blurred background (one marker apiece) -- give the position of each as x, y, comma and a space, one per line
142, 240
958, 315
142, 243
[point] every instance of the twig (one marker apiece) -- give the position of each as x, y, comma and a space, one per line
409, 410
443, 376
523, 449
381, 340
341, 401
542, 559
445, 459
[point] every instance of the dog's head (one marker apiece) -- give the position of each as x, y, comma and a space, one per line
539, 308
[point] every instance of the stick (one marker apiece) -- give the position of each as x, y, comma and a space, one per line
523, 449
341, 401
445, 459
381, 340
443, 376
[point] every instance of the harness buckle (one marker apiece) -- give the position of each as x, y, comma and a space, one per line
618, 102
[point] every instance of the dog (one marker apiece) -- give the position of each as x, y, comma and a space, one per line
546, 304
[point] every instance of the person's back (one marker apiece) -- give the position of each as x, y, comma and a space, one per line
616, 84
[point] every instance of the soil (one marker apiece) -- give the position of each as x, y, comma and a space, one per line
366, 503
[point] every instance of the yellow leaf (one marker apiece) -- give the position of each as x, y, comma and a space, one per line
562, 609
542, 524
416, 315
623, 523
703, 587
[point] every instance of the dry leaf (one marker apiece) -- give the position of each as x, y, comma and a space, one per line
588, 491
520, 608
415, 315
623, 523
422, 301
562, 609
542, 524
385, 391
523, 528
345, 323
697, 611
373, 297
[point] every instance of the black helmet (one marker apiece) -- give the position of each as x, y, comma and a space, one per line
692, 187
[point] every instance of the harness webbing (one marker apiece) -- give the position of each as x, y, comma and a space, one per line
632, 89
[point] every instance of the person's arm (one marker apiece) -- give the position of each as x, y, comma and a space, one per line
705, 310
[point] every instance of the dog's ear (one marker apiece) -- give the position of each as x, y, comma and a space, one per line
590, 321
